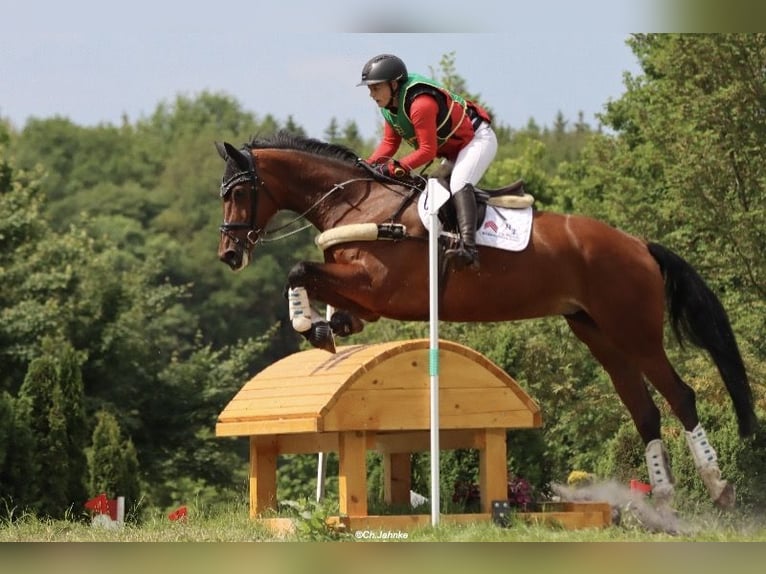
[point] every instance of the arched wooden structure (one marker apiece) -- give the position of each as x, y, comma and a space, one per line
376, 397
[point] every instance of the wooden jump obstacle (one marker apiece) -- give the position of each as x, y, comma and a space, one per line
376, 397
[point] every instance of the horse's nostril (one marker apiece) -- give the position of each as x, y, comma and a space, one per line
231, 258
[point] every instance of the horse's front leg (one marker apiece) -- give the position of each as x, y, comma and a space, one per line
324, 282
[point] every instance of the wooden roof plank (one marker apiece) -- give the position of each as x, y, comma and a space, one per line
385, 384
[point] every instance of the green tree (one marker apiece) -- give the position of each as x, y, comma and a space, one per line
352, 138
6, 432
293, 127
73, 412
349, 136
51, 404
447, 74
18, 492
42, 401
332, 131
701, 105
55, 475
687, 168
5, 132
112, 461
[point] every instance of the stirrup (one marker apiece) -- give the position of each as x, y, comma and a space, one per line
464, 256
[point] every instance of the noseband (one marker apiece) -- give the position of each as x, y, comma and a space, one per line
250, 176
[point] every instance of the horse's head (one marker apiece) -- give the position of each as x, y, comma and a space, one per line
241, 228
315, 179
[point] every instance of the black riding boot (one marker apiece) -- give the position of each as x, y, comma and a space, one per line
466, 253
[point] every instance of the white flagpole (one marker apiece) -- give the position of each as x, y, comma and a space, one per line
322, 456
433, 280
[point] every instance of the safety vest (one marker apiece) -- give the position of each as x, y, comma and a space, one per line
447, 100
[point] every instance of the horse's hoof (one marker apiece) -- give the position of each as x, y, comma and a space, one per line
320, 336
340, 323
721, 492
727, 498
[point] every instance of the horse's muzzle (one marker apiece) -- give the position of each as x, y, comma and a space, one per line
236, 259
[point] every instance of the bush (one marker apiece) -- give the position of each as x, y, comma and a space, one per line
624, 459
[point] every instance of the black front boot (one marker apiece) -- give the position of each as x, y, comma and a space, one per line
466, 254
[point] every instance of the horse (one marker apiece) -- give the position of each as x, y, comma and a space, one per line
613, 289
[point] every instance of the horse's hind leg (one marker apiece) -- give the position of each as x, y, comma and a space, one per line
629, 383
681, 399
642, 343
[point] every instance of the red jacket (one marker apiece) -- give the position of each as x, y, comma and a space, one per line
423, 112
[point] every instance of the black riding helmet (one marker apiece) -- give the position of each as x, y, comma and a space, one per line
383, 68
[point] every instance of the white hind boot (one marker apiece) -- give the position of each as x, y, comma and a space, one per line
706, 461
660, 476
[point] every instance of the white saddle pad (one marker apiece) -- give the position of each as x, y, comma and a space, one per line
502, 228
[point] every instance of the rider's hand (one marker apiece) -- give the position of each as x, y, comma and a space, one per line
391, 169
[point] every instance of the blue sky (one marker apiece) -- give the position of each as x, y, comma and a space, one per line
94, 61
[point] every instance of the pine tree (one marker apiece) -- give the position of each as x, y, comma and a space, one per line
6, 429
54, 461
70, 377
37, 394
113, 463
51, 408
6, 445
105, 461
332, 131
18, 490
130, 486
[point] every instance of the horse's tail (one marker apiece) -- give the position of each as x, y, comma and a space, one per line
697, 314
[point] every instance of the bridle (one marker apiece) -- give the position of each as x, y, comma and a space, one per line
249, 176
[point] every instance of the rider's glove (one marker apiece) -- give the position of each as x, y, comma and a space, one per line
391, 169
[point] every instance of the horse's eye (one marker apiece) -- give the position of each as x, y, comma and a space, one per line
238, 194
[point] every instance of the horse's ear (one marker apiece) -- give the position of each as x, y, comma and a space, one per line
229, 152
221, 150
242, 161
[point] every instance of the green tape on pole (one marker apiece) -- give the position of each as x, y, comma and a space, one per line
434, 362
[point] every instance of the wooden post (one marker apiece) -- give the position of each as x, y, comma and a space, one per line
263, 474
352, 479
493, 468
396, 477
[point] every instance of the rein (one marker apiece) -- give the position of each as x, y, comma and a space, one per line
312, 207
256, 235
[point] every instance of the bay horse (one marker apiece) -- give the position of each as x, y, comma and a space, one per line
610, 287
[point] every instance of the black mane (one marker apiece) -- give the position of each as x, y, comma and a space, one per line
287, 140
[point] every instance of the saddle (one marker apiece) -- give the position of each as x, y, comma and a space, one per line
512, 196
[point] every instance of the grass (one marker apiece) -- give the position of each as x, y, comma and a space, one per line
232, 524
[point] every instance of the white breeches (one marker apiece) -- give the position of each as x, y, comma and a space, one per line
474, 159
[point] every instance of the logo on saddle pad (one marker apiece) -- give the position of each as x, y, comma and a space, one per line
503, 228
491, 225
